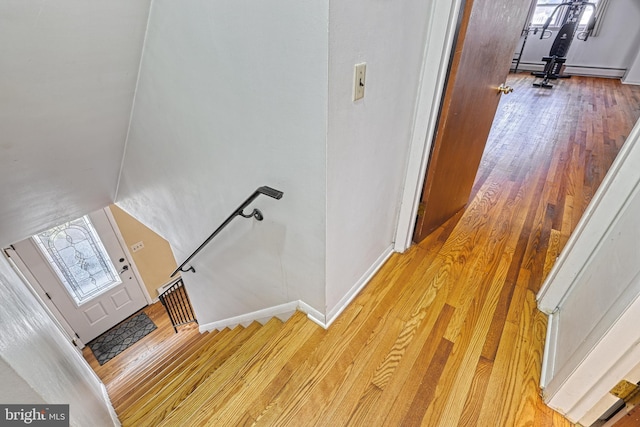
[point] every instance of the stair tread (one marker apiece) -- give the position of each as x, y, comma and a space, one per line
256, 364
272, 368
231, 370
147, 359
125, 396
169, 391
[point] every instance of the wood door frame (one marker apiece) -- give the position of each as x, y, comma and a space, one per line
444, 20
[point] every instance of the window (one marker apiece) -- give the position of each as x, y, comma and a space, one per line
544, 9
542, 12
78, 258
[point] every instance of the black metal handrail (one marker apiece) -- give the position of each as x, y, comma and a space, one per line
267, 191
176, 301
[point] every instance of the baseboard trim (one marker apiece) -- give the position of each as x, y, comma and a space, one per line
577, 70
231, 322
284, 310
629, 82
549, 353
360, 284
112, 411
313, 314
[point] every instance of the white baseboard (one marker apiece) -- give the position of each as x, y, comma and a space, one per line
613, 73
549, 354
284, 311
266, 313
577, 70
112, 411
313, 314
629, 82
360, 284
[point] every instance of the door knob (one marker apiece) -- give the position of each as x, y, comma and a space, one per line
124, 268
505, 89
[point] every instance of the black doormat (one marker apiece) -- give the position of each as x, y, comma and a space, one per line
120, 337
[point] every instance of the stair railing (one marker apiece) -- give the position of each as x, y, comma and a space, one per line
267, 191
176, 301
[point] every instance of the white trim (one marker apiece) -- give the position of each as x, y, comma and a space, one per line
313, 314
265, 313
549, 356
611, 349
125, 248
133, 103
610, 360
282, 311
632, 76
600, 214
333, 314
600, 408
31, 283
109, 405
577, 70
442, 31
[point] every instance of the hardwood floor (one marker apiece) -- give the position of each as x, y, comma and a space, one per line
147, 352
447, 334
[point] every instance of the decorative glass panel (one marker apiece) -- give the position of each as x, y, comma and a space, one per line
79, 259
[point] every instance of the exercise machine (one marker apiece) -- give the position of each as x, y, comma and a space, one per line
525, 35
573, 11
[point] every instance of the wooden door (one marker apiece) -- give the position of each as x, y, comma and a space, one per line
84, 271
487, 38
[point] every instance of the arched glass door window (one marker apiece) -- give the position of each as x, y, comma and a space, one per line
78, 258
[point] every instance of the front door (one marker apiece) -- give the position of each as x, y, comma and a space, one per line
84, 270
484, 48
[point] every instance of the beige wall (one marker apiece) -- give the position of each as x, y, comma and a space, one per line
155, 261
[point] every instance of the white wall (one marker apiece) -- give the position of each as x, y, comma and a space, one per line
233, 95
14, 388
632, 76
368, 140
68, 75
38, 356
609, 54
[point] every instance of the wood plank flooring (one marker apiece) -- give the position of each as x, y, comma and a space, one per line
447, 334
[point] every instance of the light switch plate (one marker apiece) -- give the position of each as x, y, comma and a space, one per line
359, 81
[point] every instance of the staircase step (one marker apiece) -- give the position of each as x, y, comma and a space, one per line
244, 353
171, 390
136, 387
148, 347
257, 362
136, 364
272, 369
185, 373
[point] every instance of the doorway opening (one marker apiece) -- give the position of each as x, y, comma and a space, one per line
83, 274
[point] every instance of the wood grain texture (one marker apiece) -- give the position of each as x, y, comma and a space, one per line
447, 334
488, 34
